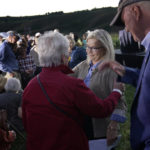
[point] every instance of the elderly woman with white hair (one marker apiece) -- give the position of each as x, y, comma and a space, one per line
54, 103
100, 48
11, 101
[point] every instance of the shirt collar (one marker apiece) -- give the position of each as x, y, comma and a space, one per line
146, 41
95, 65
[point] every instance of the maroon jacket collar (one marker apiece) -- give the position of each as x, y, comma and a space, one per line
64, 69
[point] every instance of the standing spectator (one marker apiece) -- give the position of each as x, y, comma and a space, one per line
60, 130
77, 54
127, 43
29, 43
26, 63
84, 36
11, 101
135, 16
35, 55
8, 61
100, 48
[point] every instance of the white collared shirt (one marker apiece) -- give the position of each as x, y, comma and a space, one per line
146, 41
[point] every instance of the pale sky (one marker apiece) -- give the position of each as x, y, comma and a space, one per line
39, 7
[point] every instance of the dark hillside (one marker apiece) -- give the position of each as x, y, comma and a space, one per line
77, 22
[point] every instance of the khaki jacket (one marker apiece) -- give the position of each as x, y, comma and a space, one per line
101, 84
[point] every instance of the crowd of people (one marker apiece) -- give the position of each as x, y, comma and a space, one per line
69, 91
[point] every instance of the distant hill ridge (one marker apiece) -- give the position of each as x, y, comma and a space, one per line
77, 22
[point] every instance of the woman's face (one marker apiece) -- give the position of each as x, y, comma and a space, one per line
95, 50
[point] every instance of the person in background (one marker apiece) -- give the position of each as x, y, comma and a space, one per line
77, 54
29, 40
127, 43
135, 16
35, 55
11, 101
76, 38
27, 66
100, 48
84, 36
60, 123
8, 61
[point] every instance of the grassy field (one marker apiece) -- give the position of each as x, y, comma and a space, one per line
125, 128
129, 94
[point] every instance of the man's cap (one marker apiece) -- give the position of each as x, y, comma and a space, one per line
13, 33
38, 34
122, 3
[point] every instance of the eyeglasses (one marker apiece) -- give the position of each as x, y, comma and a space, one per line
94, 49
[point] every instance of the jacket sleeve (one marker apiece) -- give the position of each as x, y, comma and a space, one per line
131, 76
89, 104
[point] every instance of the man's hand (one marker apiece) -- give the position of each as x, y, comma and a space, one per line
115, 66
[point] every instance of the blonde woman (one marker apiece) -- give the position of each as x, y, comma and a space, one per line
100, 48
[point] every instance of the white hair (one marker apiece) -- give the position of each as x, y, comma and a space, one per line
105, 39
13, 84
51, 47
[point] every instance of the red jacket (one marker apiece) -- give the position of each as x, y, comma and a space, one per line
49, 129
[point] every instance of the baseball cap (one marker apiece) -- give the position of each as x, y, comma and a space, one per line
38, 34
122, 3
13, 33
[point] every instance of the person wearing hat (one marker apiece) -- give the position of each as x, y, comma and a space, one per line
135, 16
8, 61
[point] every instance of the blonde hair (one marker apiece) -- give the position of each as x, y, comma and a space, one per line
105, 39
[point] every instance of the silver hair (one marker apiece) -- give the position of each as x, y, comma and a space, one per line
105, 39
13, 84
51, 47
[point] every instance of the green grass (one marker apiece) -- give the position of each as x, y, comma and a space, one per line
115, 40
125, 127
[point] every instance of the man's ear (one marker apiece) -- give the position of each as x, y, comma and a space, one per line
136, 12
